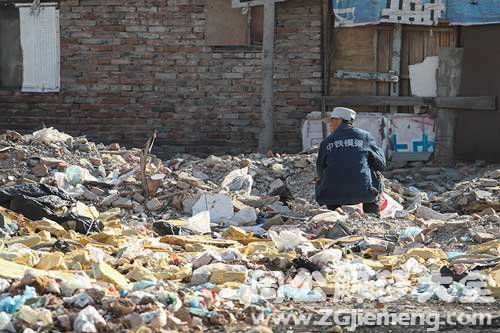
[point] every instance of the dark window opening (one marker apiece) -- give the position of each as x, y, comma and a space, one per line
11, 63
257, 25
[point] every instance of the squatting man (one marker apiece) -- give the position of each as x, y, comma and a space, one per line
348, 166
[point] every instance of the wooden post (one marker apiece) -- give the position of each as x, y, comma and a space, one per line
396, 60
266, 137
449, 80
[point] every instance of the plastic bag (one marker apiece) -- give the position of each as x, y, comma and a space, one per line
200, 222
75, 175
4, 285
220, 207
389, 206
13, 304
79, 280
50, 135
238, 180
409, 232
6, 324
287, 239
87, 320
327, 256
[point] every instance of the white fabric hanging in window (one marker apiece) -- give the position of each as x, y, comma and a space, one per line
41, 48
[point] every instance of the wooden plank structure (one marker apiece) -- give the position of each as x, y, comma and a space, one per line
369, 71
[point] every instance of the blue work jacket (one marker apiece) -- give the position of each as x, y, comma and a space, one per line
348, 165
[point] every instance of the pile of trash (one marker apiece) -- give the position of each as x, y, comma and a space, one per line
101, 238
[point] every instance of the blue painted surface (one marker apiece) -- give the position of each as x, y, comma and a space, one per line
364, 11
397, 146
423, 145
461, 12
473, 11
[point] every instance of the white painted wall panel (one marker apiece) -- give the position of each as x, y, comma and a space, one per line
41, 49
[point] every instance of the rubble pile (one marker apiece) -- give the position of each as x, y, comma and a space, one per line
101, 238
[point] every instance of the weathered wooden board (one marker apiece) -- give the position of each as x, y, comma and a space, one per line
226, 26
486, 103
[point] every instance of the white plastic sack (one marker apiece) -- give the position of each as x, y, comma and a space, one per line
220, 207
50, 135
87, 320
200, 222
238, 180
327, 256
287, 239
389, 206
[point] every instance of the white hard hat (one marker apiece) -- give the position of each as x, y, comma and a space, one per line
343, 113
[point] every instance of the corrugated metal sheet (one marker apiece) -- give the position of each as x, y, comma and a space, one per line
41, 50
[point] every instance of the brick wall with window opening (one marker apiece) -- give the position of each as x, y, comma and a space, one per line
130, 67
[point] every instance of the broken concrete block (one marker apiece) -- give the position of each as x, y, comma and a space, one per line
257, 201
154, 204
223, 276
154, 182
278, 183
301, 163
138, 273
108, 201
104, 272
427, 253
20, 154
138, 197
427, 213
275, 220
85, 147
35, 317
486, 182
278, 168
114, 146
246, 216
54, 163
98, 191
50, 261
95, 161
487, 212
40, 170
200, 175
89, 195
495, 283
430, 224
220, 207
483, 237
494, 218
212, 160
123, 202
182, 185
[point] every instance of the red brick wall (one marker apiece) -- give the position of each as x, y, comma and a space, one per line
128, 67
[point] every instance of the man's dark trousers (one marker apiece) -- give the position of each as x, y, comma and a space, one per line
369, 208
